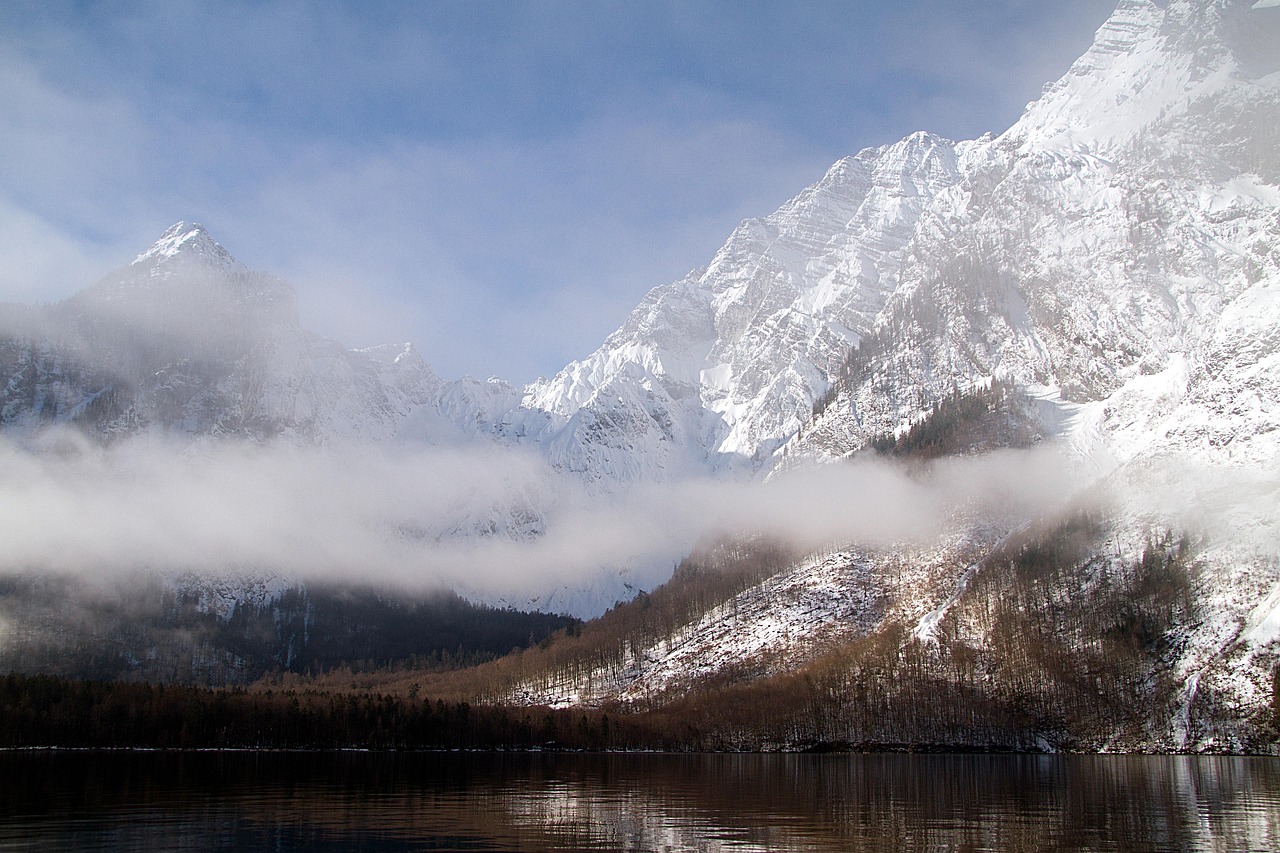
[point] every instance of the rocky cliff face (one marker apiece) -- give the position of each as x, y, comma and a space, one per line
1098, 240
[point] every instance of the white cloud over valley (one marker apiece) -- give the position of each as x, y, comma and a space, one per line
488, 521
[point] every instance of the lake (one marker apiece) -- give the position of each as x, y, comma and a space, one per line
624, 802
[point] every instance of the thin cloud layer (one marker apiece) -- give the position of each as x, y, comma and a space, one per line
494, 522
499, 523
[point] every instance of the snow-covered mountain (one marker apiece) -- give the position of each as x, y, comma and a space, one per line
1101, 238
186, 341
1124, 228
1116, 254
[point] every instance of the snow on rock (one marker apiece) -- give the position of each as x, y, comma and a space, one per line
819, 600
186, 242
783, 618
221, 595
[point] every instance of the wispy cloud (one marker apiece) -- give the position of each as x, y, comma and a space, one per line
498, 522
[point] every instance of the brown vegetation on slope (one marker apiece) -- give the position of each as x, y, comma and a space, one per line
597, 648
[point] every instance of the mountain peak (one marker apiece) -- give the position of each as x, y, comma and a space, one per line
187, 242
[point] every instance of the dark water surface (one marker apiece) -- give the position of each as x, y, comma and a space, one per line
557, 802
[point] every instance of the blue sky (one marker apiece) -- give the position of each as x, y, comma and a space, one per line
497, 182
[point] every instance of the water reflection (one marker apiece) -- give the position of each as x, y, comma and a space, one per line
364, 801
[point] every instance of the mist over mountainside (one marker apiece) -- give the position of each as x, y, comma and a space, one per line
1097, 286
186, 341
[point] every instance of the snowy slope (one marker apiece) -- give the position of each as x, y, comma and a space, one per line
765, 629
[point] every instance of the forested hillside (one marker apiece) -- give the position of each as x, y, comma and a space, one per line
150, 628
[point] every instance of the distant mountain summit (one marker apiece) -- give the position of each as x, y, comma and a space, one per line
1167, 66
189, 243
187, 341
